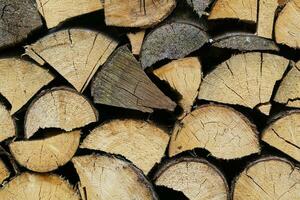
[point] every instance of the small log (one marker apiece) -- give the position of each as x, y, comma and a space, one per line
244, 79
20, 80
265, 108
199, 6
136, 13
283, 133
62, 108
136, 41
266, 15
287, 27
171, 41
121, 82
18, 19
7, 124
74, 53
268, 178
38, 187
57, 11
196, 178
184, 76
141, 142
48, 153
107, 177
4, 172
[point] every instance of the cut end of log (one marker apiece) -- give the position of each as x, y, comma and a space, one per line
7, 124
136, 41
4, 172
199, 6
264, 108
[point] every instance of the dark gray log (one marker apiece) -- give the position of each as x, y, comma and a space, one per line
199, 6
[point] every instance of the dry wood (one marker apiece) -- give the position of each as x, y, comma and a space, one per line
268, 178
46, 154
141, 142
265, 108
171, 41
136, 41
137, 13
7, 124
245, 79
266, 15
62, 108
75, 53
121, 82
4, 172
107, 177
199, 6
284, 133
31, 186
195, 177
57, 11
184, 76
20, 80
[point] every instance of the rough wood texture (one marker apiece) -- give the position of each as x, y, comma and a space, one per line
4, 172
287, 27
46, 154
57, 11
268, 178
284, 133
184, 76
195, 177
18, 19
266, 15
20, 80
141, 142
171, 41
245, 79
121, 82
199, 6
38, 187
7, 124
136, 41
137, 13
110, 178
265, 108
62, 108
74, 53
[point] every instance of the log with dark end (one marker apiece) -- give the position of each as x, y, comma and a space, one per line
4, 172
199, 6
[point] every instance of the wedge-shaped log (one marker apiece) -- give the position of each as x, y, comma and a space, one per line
7, 124
136, 41
199, 6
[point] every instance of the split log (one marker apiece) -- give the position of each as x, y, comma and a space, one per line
142, 13
266, 15
184, 76
141, 142
74, 53
287, 27
224, 132
7, 124
48, 153
265, 108
62, 108
195, 177
199, 6
171, 41
4, 172
284, 133
107, 177
19, 18
121, 82
268, 178
136, 41
245, 79
38, 187
20, 80
57, 11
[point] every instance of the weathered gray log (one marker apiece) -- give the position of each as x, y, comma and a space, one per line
199, 6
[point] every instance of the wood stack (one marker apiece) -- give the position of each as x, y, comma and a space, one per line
151, 99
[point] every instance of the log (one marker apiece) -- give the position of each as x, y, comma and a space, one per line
173, 40
19, 18
266, 16
268, 178
195, 177
74, 53
199, 6
107, 177
184, 76
4, 172
48, 153
283, 133
38, 187
7, 124
136, 41
265, 108
141, 142
142, 13
62, 108
121, 82
244, 79
20, 80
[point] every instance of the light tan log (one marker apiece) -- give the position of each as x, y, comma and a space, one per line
20, 80
268, 178
31, 186
74, 53
46, 154
62, 108
57, 11
141, 142
136, 41
266, 15
195, 177
7, 124
4, 172
265, 108
137, 13
184, 76
107, 177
